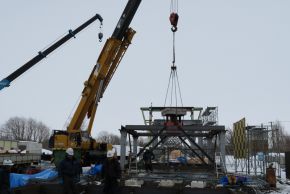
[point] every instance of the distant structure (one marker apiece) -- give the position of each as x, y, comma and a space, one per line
255, 148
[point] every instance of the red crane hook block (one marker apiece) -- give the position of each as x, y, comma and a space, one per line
173, 18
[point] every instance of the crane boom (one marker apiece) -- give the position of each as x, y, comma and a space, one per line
111, 55
80, 140
42, 54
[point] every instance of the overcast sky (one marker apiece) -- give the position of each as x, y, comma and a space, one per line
233, 54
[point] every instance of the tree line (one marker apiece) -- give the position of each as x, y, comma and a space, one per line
111, 138
24, 129
29, 129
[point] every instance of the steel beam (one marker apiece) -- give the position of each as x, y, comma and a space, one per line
158, 109
135, 145
193, 142
123, 149
172, 134
193, 150
156, 128
150, 142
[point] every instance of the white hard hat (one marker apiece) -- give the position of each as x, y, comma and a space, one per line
70, 151
110, 154
147, 148
7, 163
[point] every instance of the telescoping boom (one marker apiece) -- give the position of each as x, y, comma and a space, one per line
111, 55
42, 54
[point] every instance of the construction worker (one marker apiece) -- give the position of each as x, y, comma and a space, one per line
5, 177
148, 156
70, 170
111, 172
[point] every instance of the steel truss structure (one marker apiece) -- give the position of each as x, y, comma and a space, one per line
191, 130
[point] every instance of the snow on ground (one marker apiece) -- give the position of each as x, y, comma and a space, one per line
46, 152
281, 189
242, 166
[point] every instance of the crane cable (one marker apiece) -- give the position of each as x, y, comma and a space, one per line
173, 82
174, 6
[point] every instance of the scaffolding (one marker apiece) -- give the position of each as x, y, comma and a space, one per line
261, 150
190, 132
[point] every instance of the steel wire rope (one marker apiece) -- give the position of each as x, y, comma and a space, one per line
173, 78
179, 89
171, 89
70, 113
57, 39
66, 33
167, 89
174, 6
175, 89
78, 99
59, 48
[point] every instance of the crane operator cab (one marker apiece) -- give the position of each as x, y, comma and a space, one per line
86, 149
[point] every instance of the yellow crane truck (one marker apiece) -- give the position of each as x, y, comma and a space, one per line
85, 147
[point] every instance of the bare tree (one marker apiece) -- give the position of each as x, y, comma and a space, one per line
111, 138
279, 137
14, 128
287, 143
19, 128
229, 141
43, 132
141, 142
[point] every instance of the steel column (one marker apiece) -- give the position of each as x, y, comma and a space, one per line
222, 139
135, 144
123, 148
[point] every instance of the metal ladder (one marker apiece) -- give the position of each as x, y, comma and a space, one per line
221, 167
133, 164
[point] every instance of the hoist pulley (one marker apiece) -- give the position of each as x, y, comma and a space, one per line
173, 18
100, 34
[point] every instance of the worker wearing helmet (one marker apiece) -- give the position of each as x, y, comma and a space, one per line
70, 170
111, 172
148, 156
4, 176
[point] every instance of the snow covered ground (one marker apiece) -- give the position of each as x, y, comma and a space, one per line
281, 188
47, 152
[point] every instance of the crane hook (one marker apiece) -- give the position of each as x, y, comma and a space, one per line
100, 36
173, 18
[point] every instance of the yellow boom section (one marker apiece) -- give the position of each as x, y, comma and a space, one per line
95, 86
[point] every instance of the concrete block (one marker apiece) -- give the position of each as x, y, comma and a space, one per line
198, 184
166, 183
133, 183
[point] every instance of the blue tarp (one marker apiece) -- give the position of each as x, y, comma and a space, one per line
224, 180
237, 180
182, 160
18, 180
96, 169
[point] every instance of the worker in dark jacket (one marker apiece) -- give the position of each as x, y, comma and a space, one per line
148, 156
111, 172
70, 170
5, 177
